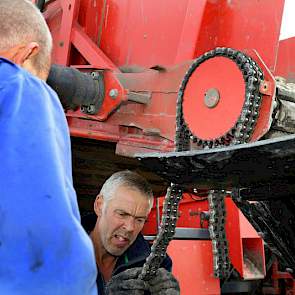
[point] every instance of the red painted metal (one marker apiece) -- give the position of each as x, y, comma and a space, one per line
111, 103
190, 209
71, 33
160, 36
192, 259
222, 23
154, 123
246, 247
285, 66
125, 39
253, 24
70, 11
194, 267
268, 91
167, 36
210, 123
89, 50
277, 277
191, 29
91, 38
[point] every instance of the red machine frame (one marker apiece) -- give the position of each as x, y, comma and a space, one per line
150, 125
142, 75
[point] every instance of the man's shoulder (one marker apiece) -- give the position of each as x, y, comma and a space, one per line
13, 76
9, 72
17, 83
7, 62
140, 246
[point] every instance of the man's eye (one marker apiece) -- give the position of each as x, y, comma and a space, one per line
140, 220
121, 214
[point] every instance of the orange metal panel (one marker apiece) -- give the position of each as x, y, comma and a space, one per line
285, 66
193, 267
246, 247
252, 24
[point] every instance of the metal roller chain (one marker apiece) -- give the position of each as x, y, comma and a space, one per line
165, 234
217, 218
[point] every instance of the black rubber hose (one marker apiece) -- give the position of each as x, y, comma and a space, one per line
40, 4
76, 89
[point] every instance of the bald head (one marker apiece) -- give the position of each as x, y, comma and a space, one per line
23, 26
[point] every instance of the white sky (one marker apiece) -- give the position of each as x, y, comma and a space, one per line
288, 22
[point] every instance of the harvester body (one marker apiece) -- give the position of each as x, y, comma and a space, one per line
198, 77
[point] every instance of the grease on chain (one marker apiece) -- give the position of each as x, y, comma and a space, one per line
217, 218
165, 234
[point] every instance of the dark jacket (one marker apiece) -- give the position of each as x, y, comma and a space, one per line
134, 256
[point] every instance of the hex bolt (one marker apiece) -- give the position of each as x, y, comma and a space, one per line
113, 93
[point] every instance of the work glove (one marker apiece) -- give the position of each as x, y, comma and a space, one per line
126, 283
163, 283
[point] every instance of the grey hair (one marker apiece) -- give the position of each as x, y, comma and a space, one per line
128, 179
21, 22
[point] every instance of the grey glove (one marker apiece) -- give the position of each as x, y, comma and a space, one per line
164, 283
126, 283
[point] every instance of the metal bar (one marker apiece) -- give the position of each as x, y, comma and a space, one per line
184, 233
158, 213
142, 98
190, 30
70, 14
90, 51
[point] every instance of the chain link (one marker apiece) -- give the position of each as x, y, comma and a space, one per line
217, 218
165, 234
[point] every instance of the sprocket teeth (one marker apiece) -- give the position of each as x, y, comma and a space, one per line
243, 129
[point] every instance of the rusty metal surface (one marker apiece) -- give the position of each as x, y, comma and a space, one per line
266, 161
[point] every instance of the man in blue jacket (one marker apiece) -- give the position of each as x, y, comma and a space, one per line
43, 248
121, 209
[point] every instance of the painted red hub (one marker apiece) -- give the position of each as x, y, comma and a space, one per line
213, 98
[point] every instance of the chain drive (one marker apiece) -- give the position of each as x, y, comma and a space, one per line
217, 217
241, 132
165, 234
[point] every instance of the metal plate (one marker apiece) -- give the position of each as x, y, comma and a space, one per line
211, 122
248, 165
186, 233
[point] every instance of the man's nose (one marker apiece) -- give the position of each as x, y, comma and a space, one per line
129, 224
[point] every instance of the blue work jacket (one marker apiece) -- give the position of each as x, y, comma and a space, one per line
43, 248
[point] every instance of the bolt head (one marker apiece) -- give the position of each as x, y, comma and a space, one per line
211, 98
113, 93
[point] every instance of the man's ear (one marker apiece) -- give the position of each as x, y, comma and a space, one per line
98, 205
26, 52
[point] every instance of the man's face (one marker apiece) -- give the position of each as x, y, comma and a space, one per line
122, 219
